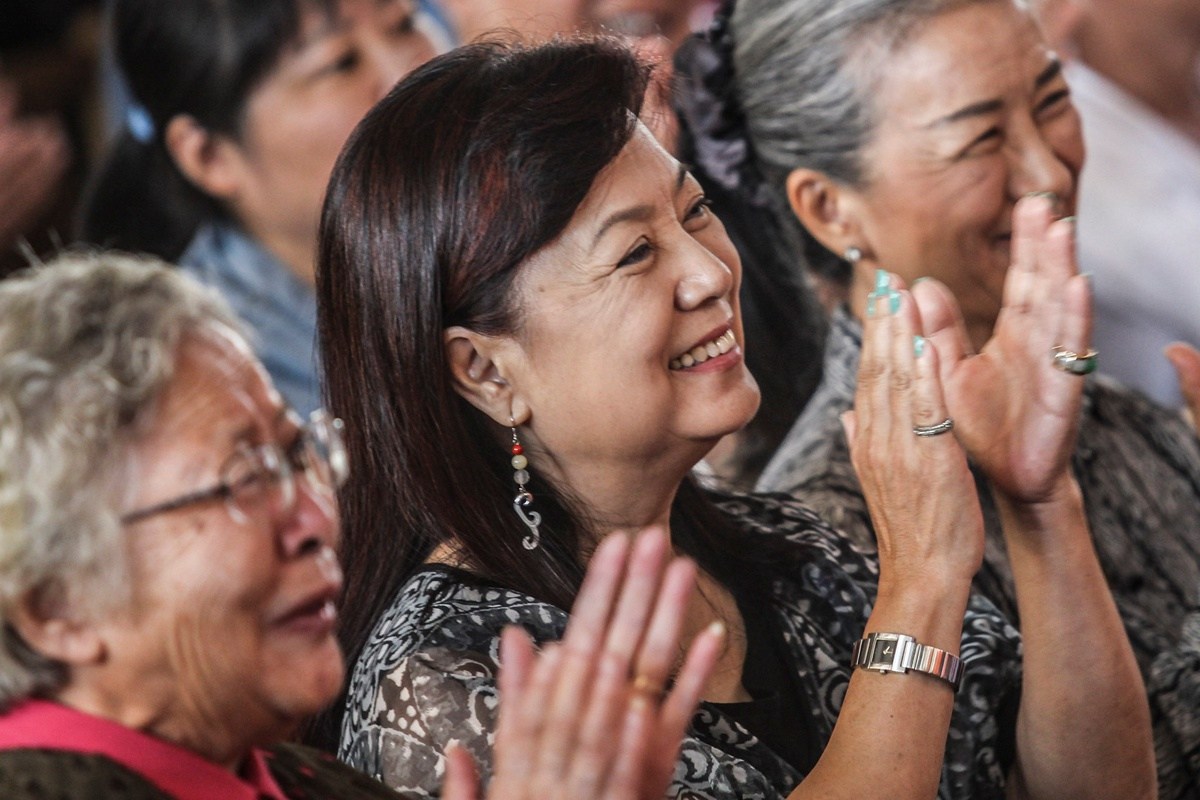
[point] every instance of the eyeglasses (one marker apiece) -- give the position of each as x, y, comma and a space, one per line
266, 473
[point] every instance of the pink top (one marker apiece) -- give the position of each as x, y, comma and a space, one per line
38, 724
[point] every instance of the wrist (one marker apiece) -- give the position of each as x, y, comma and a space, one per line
930, 609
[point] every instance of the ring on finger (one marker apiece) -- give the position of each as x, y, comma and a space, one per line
645, 685
945, 426
1073, 363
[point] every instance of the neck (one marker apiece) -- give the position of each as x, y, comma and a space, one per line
298, 254
136, 708
1152, 57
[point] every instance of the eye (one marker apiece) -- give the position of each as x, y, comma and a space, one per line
700, 209
984, 143
638, 254
1053, 103
346, 62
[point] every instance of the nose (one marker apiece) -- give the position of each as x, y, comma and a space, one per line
312, 524
1036, 166
705, 277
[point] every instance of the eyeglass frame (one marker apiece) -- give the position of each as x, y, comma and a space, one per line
274, 458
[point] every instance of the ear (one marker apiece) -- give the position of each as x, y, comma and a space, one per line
209, 160
51, 630
475, 362
828, 209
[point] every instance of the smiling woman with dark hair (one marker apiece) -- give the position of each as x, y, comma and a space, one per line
530, 322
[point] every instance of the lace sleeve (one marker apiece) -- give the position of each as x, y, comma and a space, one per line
432, 698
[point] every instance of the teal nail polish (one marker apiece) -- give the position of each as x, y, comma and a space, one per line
1070, 219
883, 281
1087, 276
893, 302
871, 304
920, 279
918, 346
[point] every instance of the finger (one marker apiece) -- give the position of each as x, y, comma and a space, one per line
680, 704
871, 398
607, 698
1031, 216
519, 744
660, 644
929, 406
902, 359
516, 663
638, 594
1186, 360
1073, 325
625, 779
943, 325
594, 603
849, 426
461, 781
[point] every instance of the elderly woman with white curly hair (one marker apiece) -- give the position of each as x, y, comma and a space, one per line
168, 577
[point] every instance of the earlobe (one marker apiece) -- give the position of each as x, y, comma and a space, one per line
206, 159
826, 208
475, 369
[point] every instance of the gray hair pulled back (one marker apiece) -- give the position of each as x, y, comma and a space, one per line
88, 343
800, 74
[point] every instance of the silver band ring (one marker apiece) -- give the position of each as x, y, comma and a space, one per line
945, 426
1072, 363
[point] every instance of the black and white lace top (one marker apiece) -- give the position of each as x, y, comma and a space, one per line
1138, 465
427, 675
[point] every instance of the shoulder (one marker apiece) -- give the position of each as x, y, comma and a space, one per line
427, 675
36, 774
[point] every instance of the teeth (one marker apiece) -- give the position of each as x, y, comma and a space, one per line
701, 353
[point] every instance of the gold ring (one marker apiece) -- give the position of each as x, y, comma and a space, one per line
644, 684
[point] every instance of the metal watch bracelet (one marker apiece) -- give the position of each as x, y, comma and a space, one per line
898, 652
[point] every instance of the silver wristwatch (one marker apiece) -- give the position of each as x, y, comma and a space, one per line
897, 652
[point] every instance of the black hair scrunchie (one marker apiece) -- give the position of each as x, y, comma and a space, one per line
707, 102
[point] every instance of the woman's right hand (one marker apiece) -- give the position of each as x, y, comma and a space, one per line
589, 717
919, 491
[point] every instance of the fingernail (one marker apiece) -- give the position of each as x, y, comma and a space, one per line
893, 302
920, 279
883, 281
871, 297
1070, 219
1087, 276
918, 346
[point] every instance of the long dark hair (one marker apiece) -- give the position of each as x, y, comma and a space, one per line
202, 58
472, 164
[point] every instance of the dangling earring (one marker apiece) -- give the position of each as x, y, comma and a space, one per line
852, 254
524, 499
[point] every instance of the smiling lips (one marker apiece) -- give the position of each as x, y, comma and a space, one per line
703, 352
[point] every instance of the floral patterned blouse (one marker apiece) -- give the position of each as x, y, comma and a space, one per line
427, 675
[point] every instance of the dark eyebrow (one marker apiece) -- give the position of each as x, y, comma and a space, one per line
1052, 71
635, 213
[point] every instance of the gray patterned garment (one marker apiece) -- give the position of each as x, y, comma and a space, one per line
1138, 465
427, 675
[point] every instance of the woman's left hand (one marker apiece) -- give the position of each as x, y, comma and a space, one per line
1014, 410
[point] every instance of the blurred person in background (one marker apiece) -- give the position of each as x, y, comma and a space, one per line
239, 110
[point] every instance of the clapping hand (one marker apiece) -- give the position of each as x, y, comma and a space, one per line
1186, 360
590, 716
1014, 410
